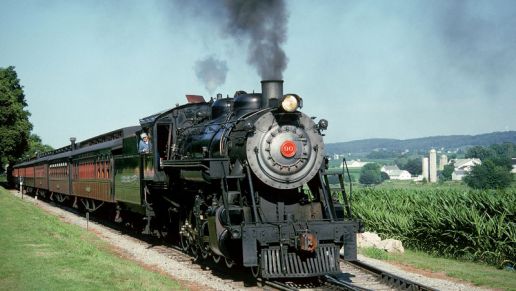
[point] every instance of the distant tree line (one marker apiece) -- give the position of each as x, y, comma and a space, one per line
382, 154
500, 154
493, 173
422, 145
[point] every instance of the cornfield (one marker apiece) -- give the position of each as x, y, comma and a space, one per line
470, 224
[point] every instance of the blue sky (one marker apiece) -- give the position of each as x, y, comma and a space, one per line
390, 69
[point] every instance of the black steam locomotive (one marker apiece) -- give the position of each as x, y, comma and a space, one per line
242, 178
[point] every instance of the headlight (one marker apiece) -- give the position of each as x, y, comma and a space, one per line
291, 103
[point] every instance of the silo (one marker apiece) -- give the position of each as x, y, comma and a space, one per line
424, 166
443, 161
433, 166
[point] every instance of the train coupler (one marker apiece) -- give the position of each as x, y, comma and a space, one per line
307, 242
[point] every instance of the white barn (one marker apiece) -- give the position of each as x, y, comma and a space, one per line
395, 173
399, 175
354, 164
462, 167
387, 169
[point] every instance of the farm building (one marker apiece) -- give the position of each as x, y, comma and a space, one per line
462, 167
355, 164
400, 175
458, 175
395, 173
387, 169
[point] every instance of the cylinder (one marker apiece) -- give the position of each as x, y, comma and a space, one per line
433, 166
272, 91
424, 165
443, 162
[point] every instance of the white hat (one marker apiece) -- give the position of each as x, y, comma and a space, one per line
143, 135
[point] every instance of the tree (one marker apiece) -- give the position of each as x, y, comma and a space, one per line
446, 173
370, 174
401, 162
479, 152
488, 175
14, 119
500, 154
381, 154
384, 176
413, 166
36, 146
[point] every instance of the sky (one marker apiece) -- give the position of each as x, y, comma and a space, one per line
374, 69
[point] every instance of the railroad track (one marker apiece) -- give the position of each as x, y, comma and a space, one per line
355, 275
358, 275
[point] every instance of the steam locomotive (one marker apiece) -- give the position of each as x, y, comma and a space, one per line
241, 179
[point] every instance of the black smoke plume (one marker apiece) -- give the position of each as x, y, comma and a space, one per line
264, 24
212, 72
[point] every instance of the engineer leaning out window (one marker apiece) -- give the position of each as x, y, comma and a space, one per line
144, 146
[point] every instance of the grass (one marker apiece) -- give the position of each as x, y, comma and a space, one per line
374, 253
353, 172
476, 273
39, 252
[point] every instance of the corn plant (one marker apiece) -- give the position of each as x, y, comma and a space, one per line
467, 224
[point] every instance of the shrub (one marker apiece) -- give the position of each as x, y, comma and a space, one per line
370, 174
488, 175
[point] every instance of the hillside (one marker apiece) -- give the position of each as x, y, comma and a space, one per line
450, 142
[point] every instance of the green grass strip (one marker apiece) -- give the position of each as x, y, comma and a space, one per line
39, 252
476, 273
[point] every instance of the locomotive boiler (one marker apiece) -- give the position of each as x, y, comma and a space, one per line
254, 165
243, 179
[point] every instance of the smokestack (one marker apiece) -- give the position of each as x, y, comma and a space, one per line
72, 143
272, 91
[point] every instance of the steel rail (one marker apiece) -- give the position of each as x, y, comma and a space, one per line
391, 279
278, 285
343, 285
